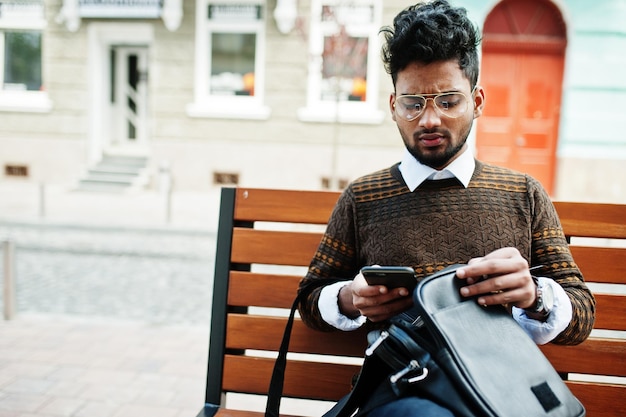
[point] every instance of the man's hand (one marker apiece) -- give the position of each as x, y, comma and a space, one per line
376, 302
501, 277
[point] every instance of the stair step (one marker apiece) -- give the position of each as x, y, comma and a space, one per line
130, 161
115, 173
115, 170
107, 179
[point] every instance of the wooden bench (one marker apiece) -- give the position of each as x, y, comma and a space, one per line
266, 239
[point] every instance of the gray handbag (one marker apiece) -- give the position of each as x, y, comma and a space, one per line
473, 360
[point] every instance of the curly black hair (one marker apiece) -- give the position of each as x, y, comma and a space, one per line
430, 32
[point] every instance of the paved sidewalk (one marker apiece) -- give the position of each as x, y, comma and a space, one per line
66, 366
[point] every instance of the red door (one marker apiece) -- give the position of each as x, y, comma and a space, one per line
522, 73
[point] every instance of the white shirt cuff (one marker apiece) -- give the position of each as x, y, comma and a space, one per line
328, 305
559, 318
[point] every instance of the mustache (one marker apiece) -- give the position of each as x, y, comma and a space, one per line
443, 132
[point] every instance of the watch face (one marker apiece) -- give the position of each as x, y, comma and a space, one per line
547, 297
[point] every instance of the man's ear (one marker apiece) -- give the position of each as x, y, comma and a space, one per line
392, 105
479, 101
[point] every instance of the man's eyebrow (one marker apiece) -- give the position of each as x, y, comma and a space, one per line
430, 94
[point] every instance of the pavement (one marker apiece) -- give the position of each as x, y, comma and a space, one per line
85, 367
87, 343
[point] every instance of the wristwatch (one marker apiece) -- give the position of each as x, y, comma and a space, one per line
545, 300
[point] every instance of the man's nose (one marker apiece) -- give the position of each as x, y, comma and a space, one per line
430, 118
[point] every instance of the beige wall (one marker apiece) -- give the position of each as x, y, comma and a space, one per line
595, 180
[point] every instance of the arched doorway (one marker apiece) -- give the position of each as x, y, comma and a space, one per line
522, 72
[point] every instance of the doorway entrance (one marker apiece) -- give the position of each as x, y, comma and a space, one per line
522, 72
128, 97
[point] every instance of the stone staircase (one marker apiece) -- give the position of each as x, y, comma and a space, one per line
116, 173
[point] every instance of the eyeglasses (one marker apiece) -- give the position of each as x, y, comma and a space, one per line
451, 105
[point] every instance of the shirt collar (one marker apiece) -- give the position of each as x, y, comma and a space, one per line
415, 173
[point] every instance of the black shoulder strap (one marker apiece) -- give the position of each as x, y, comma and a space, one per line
275, 391
372, 373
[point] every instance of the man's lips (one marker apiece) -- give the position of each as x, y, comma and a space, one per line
431, 139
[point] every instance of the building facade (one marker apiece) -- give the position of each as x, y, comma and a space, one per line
292, 93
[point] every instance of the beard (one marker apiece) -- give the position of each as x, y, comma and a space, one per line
437, 158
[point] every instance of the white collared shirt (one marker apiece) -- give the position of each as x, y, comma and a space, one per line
414, 174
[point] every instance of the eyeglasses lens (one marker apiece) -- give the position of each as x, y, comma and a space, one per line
450, 104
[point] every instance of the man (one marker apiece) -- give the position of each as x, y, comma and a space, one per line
439, 206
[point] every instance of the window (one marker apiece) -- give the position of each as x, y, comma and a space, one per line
230, 42
345, 62
22, 88
22, 60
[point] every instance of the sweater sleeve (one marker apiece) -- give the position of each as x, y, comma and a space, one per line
335, 259
550, 248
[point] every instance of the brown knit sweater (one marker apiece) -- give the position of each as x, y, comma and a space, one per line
378, 220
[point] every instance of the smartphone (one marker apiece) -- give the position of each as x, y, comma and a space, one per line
390, 276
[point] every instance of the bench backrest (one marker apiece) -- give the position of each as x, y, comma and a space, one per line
266, 239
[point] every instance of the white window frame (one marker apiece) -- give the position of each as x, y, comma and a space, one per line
22, 101
220, 106
318, 110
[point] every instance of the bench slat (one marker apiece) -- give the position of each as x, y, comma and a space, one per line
592, 220
594, 396
318, 381
267, 290
273, 247
262, 290
224, 412
284, 205
600, 265
596, 356
600, 400
244, 330
611, 311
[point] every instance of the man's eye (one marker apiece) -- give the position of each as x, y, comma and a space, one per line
448, 102
413, 105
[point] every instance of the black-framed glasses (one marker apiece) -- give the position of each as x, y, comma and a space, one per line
452, 104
